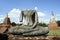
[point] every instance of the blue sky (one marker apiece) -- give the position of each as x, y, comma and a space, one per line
44, 8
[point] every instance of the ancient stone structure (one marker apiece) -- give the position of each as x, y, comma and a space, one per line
53, 25
29, 26
6, 22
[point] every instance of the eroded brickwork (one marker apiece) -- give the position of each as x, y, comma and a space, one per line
53, 26
6, 22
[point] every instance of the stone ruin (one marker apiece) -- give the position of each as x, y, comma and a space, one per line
29, 26
53, 25
6, 24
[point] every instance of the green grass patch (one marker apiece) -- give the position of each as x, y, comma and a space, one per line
54, 32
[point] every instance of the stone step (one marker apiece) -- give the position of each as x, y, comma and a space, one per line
36, 38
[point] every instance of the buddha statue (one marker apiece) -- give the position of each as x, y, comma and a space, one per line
29, 26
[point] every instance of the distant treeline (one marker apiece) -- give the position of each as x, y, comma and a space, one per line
39, 24
43, 24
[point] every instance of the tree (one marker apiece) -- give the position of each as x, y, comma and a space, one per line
58, 22
18, 24
42, 24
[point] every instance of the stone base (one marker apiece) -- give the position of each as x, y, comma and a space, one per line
28, 38
53, 26
36, 38
49, 37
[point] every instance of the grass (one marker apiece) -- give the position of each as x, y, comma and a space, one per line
54, 32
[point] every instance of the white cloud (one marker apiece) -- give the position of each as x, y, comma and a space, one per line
14, 15
2, 18
46, 21
43, 20
14, 12
41, 14
57, 17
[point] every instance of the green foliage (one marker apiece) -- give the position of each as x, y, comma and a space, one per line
58, 22
42, 24
18, 24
